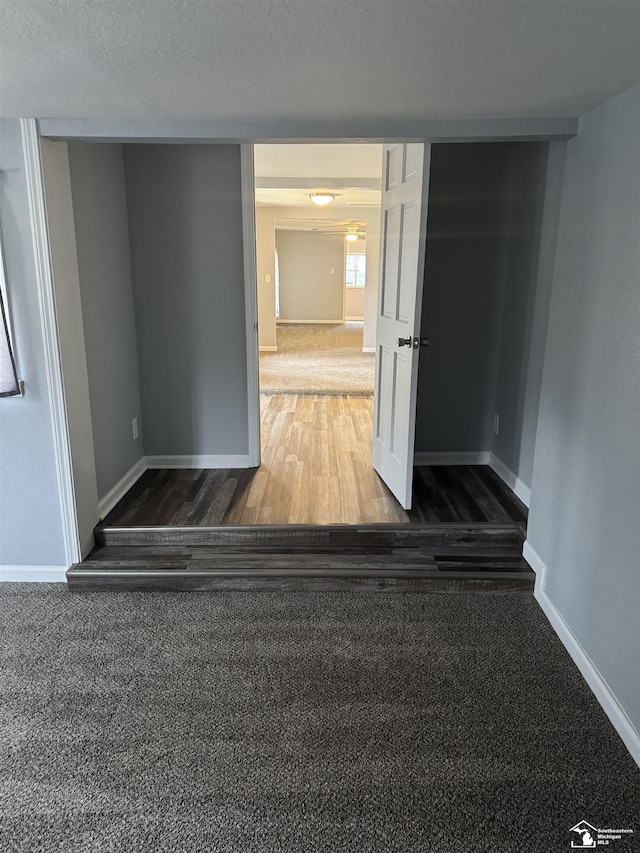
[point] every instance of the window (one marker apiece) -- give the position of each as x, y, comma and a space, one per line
355, 269
9, 385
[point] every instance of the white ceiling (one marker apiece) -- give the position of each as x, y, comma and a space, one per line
322, 226
287, 174
323, 161
340, 59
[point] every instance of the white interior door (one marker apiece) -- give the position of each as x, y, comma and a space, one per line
405, 177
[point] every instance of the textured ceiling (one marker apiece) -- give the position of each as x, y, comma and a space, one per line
359, 59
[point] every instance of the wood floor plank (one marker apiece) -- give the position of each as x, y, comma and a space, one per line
481, 495
440, 505
511, 503
477, 495
464, 506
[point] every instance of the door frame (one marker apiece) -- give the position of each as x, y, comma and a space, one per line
70, 491
249, 249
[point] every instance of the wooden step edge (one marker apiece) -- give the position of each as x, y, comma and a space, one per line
438, 583
329, 562
441, 536
253, 560
80, 570
323, 528
442, 552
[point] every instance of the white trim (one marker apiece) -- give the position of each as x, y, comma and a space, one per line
355, 318
472, 457
368, 349
107, 503
311, 322
50, 338
250, 300
33, 574
533, 558
266, 348
200, 461
512, 480
599, 687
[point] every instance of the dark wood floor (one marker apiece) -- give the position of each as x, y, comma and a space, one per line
316, 469
315, 515
212, 497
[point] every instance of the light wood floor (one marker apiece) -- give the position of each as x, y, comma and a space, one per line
316, 469
316, 465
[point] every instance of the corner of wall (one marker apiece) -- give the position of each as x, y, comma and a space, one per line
596, 682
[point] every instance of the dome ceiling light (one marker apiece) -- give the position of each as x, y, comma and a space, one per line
322, 198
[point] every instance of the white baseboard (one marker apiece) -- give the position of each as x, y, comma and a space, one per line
598, 686
311, 322
352, 319
107, 503
472, 457
512, 480
368, 349
265, 348
535, 561
201, 461
33, 574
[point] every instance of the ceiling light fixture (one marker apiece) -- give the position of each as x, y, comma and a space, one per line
351, 237
322, 198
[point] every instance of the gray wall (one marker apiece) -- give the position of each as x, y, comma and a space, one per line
463, 283
518, 375
185, 232
30, 521
518, 390
102, 241
308, 289
586, 479
483, 302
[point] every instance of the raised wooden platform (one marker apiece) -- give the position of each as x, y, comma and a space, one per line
175, 530
420, 557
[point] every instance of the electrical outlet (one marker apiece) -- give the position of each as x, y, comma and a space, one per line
496, 423
134, 428
267, 279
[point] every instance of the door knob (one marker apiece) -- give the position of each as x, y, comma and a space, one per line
413, 342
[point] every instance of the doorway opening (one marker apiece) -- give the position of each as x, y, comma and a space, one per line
317, 438
317, 271
481, 306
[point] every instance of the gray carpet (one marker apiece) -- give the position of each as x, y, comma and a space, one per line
245, 722
318, 358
